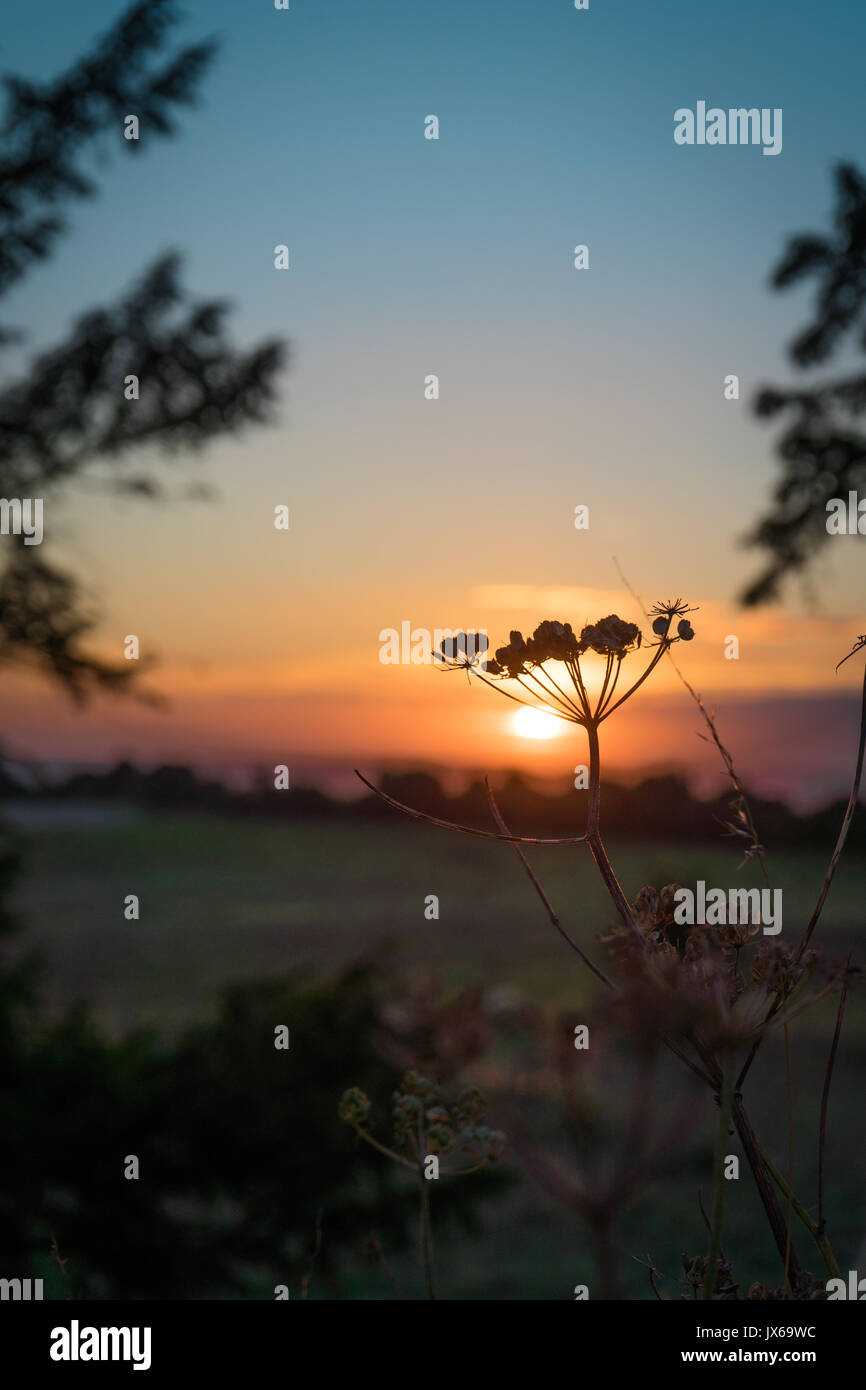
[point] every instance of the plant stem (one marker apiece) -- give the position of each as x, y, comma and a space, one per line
605, 1262
831, 869
662, 648
605, 868
383, 1148
497, 816
843, 833
800, 1211
425, 1231
753, 1152
726, 1101
825, 1098
762, 1171
593, 834
426, 1237
466, 829
790, 1109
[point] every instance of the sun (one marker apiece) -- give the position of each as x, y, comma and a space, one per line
535, 723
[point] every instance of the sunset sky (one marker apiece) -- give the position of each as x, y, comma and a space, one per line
455, 257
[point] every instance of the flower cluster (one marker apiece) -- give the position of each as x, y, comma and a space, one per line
355, 1107
804, 1287
425, 1122
612, 636
444, 1128
525, 659
687, 979
553, 641
463, 649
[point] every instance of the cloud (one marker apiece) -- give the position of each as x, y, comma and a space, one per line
563, 602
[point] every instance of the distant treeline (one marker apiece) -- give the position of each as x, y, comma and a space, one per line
658, 808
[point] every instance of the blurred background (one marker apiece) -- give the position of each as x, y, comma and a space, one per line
262, 647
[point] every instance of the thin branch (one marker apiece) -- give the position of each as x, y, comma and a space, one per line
664, 646
61, 1263
822, 1133
467, 829
742, 802
578, 709
424, 1228
762, 1171
305, 1282
723, 752
651, 1271
573, 668
561, 698
545, 704
383, 1149
831, 868
497, 685
790, 1116
497, 816
819, 1237
605, 979
376, 1246
857, 647
703, 1212
608, 667
601, 708
726, 1101
846, 823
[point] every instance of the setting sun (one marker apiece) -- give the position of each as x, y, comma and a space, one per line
536, 723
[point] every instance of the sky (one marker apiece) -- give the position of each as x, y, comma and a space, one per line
408, 257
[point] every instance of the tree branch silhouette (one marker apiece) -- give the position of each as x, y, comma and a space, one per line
822, 450
46, 125
69, 411
42, 623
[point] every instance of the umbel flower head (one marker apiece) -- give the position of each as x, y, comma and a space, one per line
663, 615
612, 636
527, 660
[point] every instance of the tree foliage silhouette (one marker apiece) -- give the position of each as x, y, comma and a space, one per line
823, 452
69, 411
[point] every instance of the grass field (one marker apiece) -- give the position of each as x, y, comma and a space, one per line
226, 900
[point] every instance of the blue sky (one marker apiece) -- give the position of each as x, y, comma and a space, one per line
455, 256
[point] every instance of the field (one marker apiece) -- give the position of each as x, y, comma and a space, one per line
224, 900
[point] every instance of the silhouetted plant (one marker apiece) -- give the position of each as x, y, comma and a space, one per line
690, 989
428, 1127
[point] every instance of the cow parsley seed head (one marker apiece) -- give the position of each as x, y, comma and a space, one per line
528, 662
611, 636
